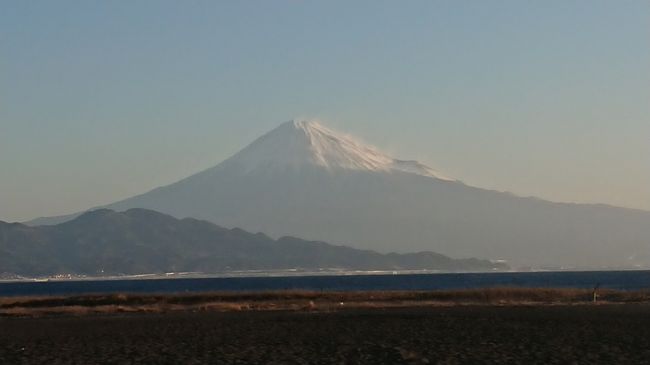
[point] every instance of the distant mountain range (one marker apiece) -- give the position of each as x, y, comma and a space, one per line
105, 242
306, 180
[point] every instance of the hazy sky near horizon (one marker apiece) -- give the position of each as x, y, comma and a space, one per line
102, 100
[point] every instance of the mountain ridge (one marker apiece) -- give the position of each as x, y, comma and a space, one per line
138, 241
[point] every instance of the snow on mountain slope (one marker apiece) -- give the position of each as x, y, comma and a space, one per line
298, 144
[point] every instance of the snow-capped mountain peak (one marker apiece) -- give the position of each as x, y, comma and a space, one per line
309, 143
296, 180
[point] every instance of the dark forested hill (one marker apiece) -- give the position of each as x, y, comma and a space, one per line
105, 242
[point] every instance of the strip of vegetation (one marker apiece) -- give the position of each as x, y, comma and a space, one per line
308, 300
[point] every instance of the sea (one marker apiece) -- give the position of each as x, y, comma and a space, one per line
620, 280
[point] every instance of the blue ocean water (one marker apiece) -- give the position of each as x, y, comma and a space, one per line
622, 280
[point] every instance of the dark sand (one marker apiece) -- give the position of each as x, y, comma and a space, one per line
583, 334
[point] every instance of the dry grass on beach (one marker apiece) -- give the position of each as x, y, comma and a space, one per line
305, 300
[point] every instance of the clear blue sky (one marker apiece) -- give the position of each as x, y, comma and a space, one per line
101, 100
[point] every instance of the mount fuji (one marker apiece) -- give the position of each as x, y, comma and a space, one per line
306, 180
